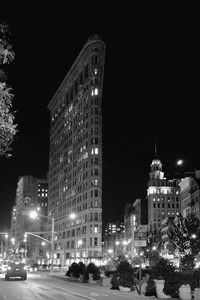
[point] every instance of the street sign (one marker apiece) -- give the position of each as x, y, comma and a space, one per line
140, 237
140, 243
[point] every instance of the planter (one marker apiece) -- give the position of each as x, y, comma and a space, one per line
197, 294
185, 292
124, 288
143, 288
104, 281
73, 278
159, 289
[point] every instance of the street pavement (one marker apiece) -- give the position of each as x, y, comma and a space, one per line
45, 286
101, 291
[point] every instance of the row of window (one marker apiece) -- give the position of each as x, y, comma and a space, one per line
162, 205
77, 85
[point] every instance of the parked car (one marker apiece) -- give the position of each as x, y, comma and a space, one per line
16, 269
3, 266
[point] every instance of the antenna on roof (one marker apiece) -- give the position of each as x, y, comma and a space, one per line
155, 150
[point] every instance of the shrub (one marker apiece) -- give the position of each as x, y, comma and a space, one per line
163, 269
74, 270
151, 289
114, 282
108, 273
172, 284
188, 277
82, 268
92, 269
123, 276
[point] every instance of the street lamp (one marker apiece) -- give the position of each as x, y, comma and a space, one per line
179, 162
34, 214
78, 244
25, 246
116, 248
193, 236
133, 236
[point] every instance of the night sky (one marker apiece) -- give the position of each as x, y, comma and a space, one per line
151, 89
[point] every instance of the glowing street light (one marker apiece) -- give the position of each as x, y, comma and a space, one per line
179, 162
193, 236
34, 214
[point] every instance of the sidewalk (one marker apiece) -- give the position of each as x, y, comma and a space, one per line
105, 289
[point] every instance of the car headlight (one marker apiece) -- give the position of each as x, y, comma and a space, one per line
25, 267
9, 268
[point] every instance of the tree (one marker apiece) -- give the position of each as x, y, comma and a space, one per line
7, 126
154, 244
185, 236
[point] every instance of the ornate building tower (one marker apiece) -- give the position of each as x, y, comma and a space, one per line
163, 196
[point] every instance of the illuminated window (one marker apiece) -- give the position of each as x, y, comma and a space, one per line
96, 92
96, 151
95, 71
95, 228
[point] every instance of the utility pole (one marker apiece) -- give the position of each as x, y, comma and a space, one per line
52, 243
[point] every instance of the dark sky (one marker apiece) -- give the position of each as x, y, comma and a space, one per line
151, 89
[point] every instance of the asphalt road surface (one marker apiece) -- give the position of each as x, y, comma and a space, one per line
46, 287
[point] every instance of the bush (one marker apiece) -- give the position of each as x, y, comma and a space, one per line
171, 286
151, 288
82, 268
108, 273
74, 270
92, 269
163, 269
114, 282
123, 276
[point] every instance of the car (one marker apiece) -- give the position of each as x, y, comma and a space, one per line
16, 269
3, 266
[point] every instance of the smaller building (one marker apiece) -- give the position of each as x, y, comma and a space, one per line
190, 194
31, 194
113, 238
163, 195
135, 233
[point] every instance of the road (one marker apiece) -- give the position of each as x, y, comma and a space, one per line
46, 287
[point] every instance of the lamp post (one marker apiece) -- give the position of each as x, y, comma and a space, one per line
25, 247
34, 214
78, 243
133, 236
116, 248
